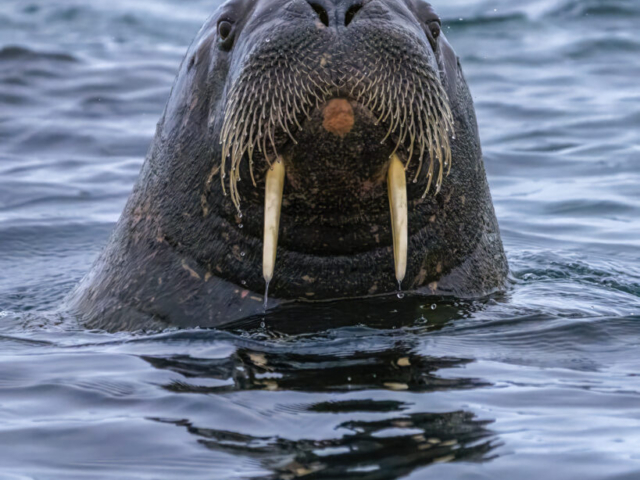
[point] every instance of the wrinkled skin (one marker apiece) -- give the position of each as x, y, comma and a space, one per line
181, 255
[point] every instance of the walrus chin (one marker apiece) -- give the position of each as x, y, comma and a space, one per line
267, 106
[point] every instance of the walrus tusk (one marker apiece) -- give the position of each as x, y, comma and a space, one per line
272, 205
397, 185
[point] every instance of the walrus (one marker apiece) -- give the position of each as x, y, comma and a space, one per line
316, 150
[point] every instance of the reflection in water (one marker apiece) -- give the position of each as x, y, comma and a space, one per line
254, 370
365, 452
382, 437
388, 313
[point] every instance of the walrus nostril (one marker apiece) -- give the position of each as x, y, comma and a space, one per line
322, 13
353, 9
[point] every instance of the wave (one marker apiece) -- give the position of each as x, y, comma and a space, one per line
14, 52
595, 8
483, 19
482, 13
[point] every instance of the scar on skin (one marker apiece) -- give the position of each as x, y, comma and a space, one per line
139, 213
194, 102
191, 271
214, 172
237, 254
205, 205
338, 117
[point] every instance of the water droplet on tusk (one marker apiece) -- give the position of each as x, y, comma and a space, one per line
272, 206
397, 186
265, 304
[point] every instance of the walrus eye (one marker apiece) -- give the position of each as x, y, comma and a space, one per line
224, 29
434, 32
434, 27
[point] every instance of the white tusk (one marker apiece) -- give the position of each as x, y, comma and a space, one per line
397, 185
272, 206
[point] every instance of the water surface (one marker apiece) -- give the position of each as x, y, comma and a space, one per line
541, 382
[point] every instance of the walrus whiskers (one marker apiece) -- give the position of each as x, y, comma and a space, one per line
416, 108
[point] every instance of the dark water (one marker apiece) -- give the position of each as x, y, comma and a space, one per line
539, 383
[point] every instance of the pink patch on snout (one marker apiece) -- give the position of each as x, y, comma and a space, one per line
338, 117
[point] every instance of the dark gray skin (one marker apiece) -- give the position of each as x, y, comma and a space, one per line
181, 255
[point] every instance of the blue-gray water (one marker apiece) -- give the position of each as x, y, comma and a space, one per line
542, 382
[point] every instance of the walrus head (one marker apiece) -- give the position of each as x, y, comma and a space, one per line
341, 101
340, 134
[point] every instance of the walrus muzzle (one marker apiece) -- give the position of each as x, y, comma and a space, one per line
274, 92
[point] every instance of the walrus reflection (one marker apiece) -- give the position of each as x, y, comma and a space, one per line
377, 432
362, 453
